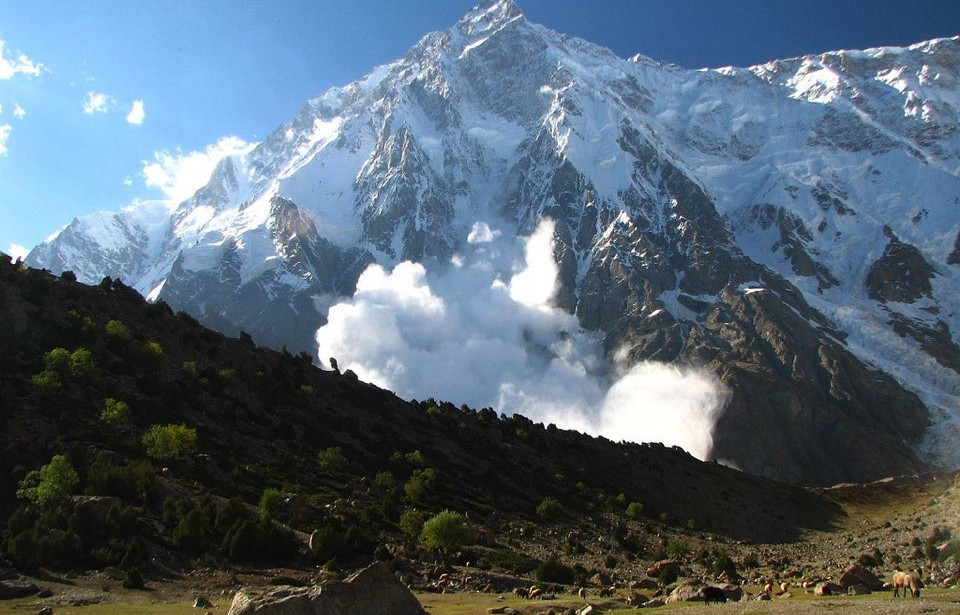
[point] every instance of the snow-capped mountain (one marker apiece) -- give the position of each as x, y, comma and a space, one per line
793, 227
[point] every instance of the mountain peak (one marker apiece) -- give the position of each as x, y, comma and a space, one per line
488, 17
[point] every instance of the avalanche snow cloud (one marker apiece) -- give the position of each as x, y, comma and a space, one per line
464, 334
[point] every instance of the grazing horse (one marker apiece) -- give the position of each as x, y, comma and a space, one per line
907, 580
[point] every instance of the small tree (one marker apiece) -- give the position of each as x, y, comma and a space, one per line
51, 484
552, 570
411, 522
447, 531
58, 361
677, 548
270, 501
331, 459
116, 329
115, 411
549, 509
169, 441
82, 364
418, 486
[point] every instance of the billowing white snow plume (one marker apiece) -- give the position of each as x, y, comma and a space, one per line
467, 336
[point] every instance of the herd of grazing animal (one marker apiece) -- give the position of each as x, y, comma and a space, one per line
911, 581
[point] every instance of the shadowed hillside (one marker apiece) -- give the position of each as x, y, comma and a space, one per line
188, 444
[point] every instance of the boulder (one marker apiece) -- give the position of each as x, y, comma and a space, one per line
16, 589
858, 590
665, 564
372, 591
601, 579
733, 592
858, 575
828, 588
647, 583
686, 592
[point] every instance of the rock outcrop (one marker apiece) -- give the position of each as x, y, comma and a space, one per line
372, 591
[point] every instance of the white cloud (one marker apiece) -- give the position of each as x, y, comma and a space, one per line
21, 65
536, 284
136, 114
481, 233
96, 102
179, 175
16, 251
5, 130
19, 111
465, 336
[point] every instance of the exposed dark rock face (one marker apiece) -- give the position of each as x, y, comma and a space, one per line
900, 274
954, 258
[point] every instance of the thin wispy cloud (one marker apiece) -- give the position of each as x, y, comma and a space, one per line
136, 114
5, 130
21, 65
96, 102
179, 175
19, 112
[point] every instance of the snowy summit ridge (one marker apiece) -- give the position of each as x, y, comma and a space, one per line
792, 228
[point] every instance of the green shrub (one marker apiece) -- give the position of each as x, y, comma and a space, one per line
152, 351
668, 575
506, 560
169, 441
549, 509
677, 548
385, 480
634, 510
447, 531
82, 364
552, 570
117, 330
52, 484
419, 485
132, 579
331, 459
411, 522
115, 411
270, 501
47, 381
58, 360
228, 515
193, 531
135, 481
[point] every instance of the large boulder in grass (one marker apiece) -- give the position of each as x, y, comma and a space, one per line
372, 591
10, 590
858, 575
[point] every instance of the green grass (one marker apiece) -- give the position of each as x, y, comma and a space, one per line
30, 606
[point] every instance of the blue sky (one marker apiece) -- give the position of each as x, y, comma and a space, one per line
107, 102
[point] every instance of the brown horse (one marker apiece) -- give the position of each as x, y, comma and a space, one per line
907, 580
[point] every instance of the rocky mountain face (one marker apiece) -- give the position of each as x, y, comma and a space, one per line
792, 227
